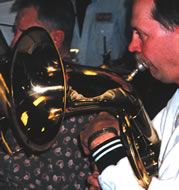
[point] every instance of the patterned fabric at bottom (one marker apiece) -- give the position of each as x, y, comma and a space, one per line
62, 167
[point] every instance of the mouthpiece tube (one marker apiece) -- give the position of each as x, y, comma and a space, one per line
140, 67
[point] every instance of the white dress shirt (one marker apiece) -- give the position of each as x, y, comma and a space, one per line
166, 124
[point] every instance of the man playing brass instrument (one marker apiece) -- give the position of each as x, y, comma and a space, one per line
155, 40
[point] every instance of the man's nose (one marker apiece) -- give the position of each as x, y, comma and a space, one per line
134, 45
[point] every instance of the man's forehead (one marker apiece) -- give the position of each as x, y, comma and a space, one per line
142, 8
141, 14
143, 1
143, 4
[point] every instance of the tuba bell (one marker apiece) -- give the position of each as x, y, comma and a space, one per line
38, 91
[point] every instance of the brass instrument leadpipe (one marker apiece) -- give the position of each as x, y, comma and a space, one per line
140, 67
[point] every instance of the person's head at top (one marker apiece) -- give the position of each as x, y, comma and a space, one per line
56, 16
155, 38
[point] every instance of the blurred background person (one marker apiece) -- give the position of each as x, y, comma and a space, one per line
101, 32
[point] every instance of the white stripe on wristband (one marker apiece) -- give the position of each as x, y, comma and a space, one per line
102, 151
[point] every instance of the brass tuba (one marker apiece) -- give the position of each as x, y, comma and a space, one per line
38, 91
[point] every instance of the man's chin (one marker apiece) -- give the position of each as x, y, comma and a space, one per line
162, 79
155, 74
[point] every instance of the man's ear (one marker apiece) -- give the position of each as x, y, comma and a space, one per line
57, 37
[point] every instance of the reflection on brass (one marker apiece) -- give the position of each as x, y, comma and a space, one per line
51, 70
24, 118
43, 130
54, 113
91, 73
47, 91
110, 94
40, 89
4, 91
39, 100
32, 91
5, 143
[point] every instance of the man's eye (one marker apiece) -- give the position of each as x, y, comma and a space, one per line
139, 34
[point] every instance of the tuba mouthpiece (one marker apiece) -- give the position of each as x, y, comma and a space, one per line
140, 67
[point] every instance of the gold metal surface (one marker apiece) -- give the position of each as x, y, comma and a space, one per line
49, 90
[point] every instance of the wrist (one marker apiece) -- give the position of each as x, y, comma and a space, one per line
101, 139
101, 136
108, 153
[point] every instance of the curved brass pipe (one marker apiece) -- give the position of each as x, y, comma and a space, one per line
48, 90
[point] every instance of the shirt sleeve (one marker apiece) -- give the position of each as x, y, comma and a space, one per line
119, 176
157, 184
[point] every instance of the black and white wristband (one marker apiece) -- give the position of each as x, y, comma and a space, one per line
108, 153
